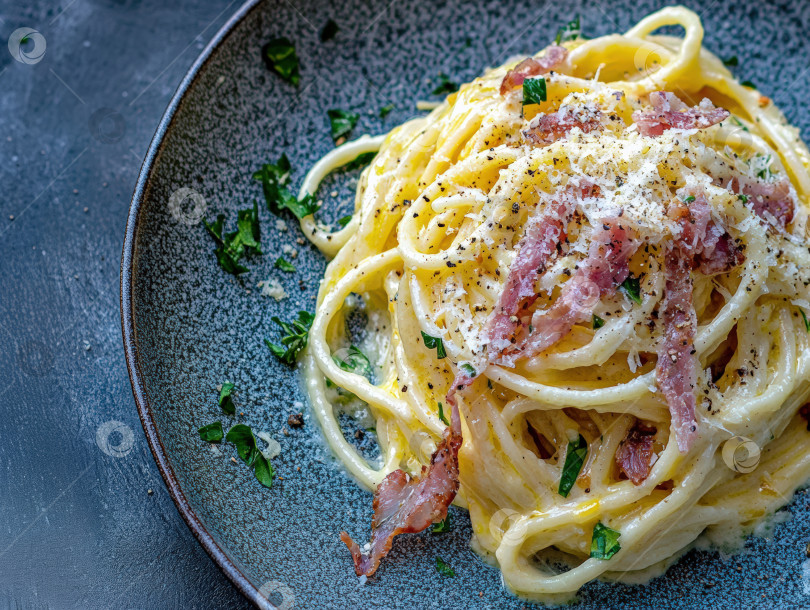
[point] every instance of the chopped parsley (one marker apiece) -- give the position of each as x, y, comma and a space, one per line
359, 161
574, 458
294, 339
385, 110
570, 31
434, 342
275, 178
279, 56
226, 400
534, 91
355, 362
749, 84
284, 265
689, 199
442, 527
248, 451
442, 416
329, 30
597, 322
806, 321
443, 568
445, 85
231, 247
743, 197
468, 368
632, 288
732, 61
738, 123
605, 542
341, 123
345, 220
763, 161
212, 433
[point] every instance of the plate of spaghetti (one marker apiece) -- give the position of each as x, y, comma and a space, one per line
534, 331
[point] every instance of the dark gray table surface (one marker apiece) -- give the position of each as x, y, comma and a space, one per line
85, 519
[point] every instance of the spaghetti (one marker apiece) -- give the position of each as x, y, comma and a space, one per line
614, 263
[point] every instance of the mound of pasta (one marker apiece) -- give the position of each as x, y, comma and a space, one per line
584, 274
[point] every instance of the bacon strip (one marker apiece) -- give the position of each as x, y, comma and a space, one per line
544, 233
546, 129
405, 504
533, 66
598, 275
634, 456
669, 112
701, 243
772, 201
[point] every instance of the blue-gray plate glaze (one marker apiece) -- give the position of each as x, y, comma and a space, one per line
188, 326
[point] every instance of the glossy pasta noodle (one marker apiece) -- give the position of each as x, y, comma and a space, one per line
441, 218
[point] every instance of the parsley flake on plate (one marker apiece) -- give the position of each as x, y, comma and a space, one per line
231, 247
275, 178
445, 85
212, 433
442, 527
226, 400
284, 265
295, 337
341, 123
360, 161
279, 56
329, 31
443, 568
248, 451
570, 31
385, 110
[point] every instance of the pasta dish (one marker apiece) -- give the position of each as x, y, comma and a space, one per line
583, 275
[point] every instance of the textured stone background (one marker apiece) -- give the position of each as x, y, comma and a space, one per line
78, 526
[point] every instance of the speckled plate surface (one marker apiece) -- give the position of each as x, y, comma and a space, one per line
189, 326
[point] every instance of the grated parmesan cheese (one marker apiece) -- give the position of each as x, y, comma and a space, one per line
273, 288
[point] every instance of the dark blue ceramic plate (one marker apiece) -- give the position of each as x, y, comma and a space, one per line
189, 326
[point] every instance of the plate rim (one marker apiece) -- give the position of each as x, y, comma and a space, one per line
129, 335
